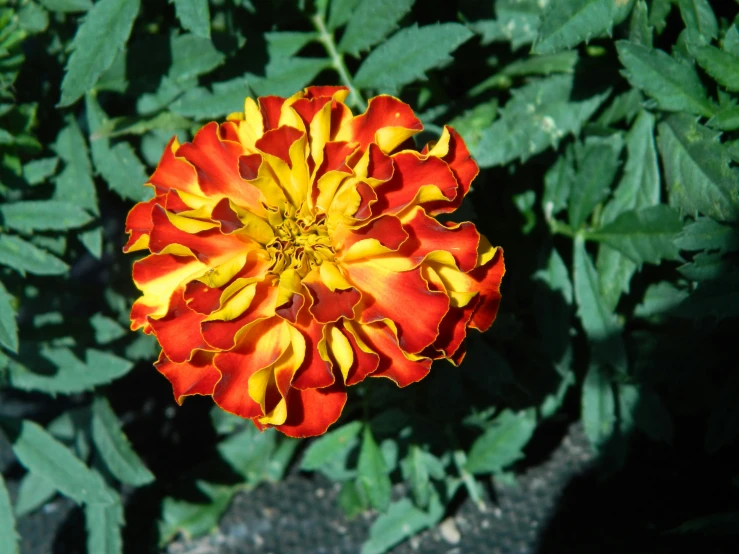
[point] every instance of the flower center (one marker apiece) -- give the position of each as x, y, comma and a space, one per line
300, 243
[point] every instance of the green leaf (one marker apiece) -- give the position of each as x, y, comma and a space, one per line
714, 525
674, 85
341, 12
643, 235
561, 62
517, 22
408, 54
118, 165
697, 169
67, 6
33, 492
722, 66
284, 44
43, 455
725, 120
92, 240
106, 329
200, 103
114, 448
717, 298
8, 325
248, 453
72, 374
43, 215
569, 22
283, 76
706, 234
538, 115
104, 524
280, 459
194, 16
25, 257
194, 519
600, 324
730, 42
9, 539
372, 473
502, 443
74, 184
639, 30
33, 18
192, 56
558, 183
402, 520
101, 36
625, 106
597, 164
660, 299
598, 407
38, 171
699, 20
706, 266
327, 447
351, 500
371, 22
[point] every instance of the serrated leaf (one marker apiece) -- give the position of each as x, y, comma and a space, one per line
408, 54
74, 184
8, 325
36, 172
643, 235
25, 257
33, 492
200, 103
730, 42
372, 473
722, 66
697, 170
67, 6
597, 164
104, 524
327, 447
92, 240
725, 120
9, 539
561, 62
106, 329
98, 40
283, 76
192, 56
113, 446
567, 23
706, 234
43, 215
639, 30
660, 299
502, 443
72, 374
194, 519
341, 11
699, 19
706, 266
43, 455
402, 520
674, 85
539, 115
598, 408
624, 107
517, 22
287, 43
194, 16
600, 324
118, 165
371, 22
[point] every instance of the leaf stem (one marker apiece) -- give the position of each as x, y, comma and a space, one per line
337, 60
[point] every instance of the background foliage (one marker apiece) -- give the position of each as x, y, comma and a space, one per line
608, 137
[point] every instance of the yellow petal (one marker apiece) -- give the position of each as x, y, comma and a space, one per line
289, 286
333, 278
341, 349
189, 225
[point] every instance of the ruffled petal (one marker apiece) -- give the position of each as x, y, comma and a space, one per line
311, 412
198, 376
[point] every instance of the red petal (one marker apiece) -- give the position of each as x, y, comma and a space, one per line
403, 298
271, 106
323, 91
310, 412
217, 165
315, 372
428, 235
179, 331
382, 111
329, 306
221, 334
157, 266
393, 364
260, 348
387, 230
411, 173
453, 330
201, 298
489, 277
277, 142
198, 376
174, 172
364, 364
138, 221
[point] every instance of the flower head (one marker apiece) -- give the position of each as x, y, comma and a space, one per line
294, 252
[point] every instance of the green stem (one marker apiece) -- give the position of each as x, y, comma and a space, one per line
337, 61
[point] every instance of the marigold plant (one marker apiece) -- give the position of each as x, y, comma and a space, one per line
294, 251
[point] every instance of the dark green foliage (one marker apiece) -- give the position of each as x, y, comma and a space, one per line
608, 137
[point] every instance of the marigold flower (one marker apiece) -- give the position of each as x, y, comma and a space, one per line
295, 252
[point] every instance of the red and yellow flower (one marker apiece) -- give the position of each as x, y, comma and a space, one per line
294, 251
